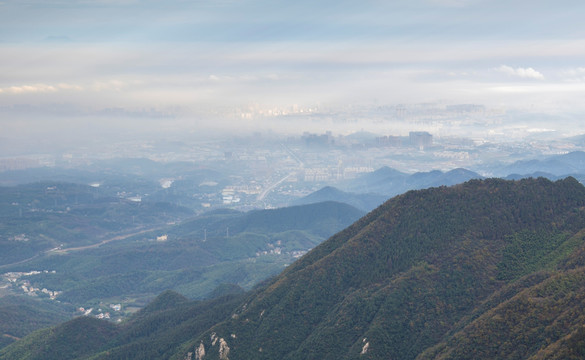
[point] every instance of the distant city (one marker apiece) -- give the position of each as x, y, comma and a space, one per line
266, 168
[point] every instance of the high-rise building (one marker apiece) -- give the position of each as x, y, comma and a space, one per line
420, 139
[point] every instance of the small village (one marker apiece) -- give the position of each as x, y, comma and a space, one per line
17, 282
14, 278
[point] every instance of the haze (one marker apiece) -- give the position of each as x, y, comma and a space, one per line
77, 70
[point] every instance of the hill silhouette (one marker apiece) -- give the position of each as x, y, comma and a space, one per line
365, 202
391, 182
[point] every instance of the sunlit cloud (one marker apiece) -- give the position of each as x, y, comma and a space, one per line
527, 73
39, 88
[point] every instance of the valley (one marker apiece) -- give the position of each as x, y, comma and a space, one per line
106, 249
430, 274
305, 180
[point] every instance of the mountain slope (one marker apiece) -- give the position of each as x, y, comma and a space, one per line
156, 332
197, 256
365, 202
486, 269
20, 315
71, 340
558, 165
396, 282
391, 182
37, 217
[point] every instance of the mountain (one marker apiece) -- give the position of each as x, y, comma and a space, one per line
365, 202
194, 257
156, 332
392, 182
384, 180
38, 217
558, 165
400, 279
20, 315
180, 183
217, 253
482, 270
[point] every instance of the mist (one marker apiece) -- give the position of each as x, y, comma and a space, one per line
112, 69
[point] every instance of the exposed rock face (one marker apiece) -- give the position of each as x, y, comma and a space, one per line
224, 349
365, 347
200, 352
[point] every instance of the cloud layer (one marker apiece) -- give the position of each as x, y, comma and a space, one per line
181, 56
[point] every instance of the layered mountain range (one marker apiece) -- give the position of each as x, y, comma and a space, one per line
488, 269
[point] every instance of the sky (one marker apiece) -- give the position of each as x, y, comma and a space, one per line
85, 64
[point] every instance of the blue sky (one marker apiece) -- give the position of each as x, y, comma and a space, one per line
177, 57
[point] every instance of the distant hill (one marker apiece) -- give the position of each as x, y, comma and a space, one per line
482, 270
384, 180
70, 340
362, 136
194, 257
364, 202
558, 165
37, 217
154, 333
392, 182
20, 315
117, 177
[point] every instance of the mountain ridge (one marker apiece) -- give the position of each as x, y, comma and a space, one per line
420, 277
308, 272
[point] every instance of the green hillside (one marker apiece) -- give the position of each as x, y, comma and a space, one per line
220, 252
155, 332
196, 257
402, 277
20, 315
483, 270
38, 217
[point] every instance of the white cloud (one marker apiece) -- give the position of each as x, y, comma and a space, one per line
63, 86
109, 85
574, 75
528, 73
24, 89
39, 88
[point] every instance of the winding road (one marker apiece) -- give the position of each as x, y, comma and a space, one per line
80, 248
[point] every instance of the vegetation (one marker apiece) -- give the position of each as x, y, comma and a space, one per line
218, 253
406, 275
35, 218
489, 269
71, 340
20, 315
197, 256
155, 332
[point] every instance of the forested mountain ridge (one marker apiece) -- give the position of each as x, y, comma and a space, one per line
218, 252
486, 269
398, 280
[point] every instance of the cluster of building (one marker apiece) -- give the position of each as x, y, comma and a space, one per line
105, 315
416, 139
229, 196
19, 237
274, 251
25, 285
333, 173
33, 291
